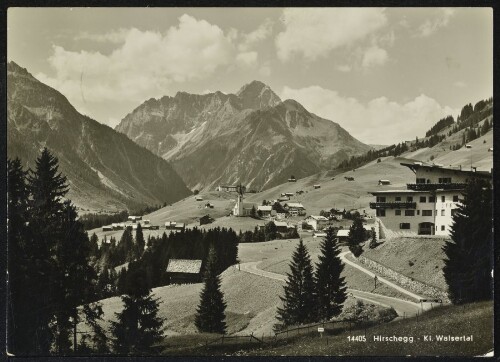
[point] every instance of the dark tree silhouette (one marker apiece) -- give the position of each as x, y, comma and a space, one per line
469, 253
299, 293
330, 285
210, 314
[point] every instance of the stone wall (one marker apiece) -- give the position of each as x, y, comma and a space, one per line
404, 281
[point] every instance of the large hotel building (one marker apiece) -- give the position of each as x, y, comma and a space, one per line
426, 207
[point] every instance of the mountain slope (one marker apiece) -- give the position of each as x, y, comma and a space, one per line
105, 169
250, 136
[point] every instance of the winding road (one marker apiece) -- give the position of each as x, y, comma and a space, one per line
401, 306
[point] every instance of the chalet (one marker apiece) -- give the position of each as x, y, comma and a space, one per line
384, 182
295, 208
170, 225
118, 226
184, 271
206, 220
134, 218
289, 194
292, 179
107, 228
349, 178
198, 198
336, 214
342, 235
281, 226
154, 227
283, 199
317, 186
180, 226
317, 222
266, 211
425, 207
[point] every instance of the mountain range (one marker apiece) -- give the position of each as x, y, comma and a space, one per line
252, 137
105, 169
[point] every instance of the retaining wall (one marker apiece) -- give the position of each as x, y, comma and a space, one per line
404, 281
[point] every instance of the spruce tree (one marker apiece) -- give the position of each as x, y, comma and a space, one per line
469, 253
299, 300
138, 328
21, 277
210, 314
47, 187
139, 241
330, 285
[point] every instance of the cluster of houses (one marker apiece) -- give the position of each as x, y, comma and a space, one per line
132, 222
427, 206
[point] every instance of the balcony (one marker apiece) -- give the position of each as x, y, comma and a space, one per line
393, 205
432, 187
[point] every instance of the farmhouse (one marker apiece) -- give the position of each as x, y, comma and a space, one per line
134, 218
182, 271
342, 235
427, 206
198, 198
266, 211
170, 225
281, 226
317, 186
295, 208
317, 222
107, 228
292, 179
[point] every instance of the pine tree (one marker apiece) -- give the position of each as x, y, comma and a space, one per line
21, 277
138, 328
468, 262
299, 299
357, 235
139, 241
210, 314
47, 188
330, 286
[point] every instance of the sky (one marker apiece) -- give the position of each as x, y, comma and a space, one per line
383, 74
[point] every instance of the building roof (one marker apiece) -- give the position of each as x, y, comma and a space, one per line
280, 223
184, 266
318, 217
416, 165
397, 192
295, 205
170, 223
179, 225
343, 232
265, 208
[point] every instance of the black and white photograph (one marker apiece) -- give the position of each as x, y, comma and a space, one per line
249, 181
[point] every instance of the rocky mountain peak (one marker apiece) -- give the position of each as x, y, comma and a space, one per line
257, 95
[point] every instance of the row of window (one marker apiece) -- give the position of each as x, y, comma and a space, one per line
397, 212
422, 199
407, 226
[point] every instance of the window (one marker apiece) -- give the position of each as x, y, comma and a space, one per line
443, 212
398, 198
443, 198
442, 227
418, 212
445, 180
432, 198
380, 212
409, 212
426, 212
409, 198
423, 199
380, 198
421, 180
404, 225
398, 212
455, 198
